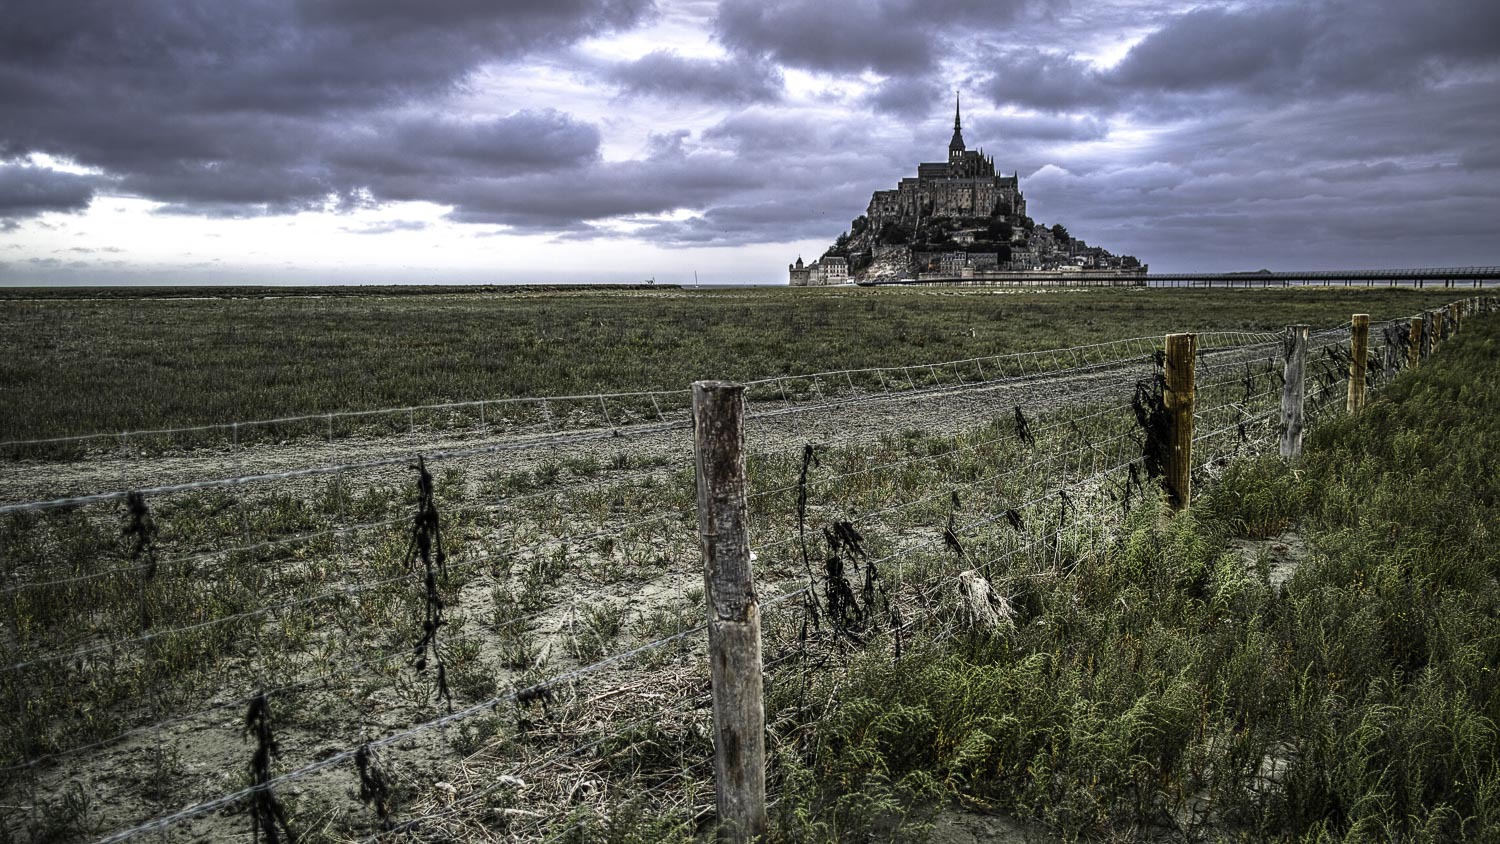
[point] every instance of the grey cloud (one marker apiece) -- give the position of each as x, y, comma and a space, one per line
1359, 171
731, 225
1302, 186
1211, 57
1318, 49
759, 176
1207, 48
1044, 80
841, 37
663, 73
388, 226
1482, 156
655, 185
279, 105
396, 156
284, 56
780, 140
526, 140
27, 191
888, 36
907, 96
1037, 127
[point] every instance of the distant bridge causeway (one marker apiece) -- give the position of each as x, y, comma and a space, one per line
1419, 278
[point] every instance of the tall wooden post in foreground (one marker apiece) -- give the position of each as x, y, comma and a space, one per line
1293, 391
1179, 398
1359, 356
1414, 343
733, 611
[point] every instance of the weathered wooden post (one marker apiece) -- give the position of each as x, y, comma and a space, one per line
1414, 343
1179, 398
733, 611
1293, 391
1390, 333
1456, 315
1359, 355
1432, 335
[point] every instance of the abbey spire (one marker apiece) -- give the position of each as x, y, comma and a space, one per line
956, 146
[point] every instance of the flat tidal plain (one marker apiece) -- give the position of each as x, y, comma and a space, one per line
85, 365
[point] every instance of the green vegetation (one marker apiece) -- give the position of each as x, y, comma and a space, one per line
1149, 679
116, 364
1168, 684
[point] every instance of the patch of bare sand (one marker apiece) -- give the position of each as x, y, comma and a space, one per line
1280, 555
955, 826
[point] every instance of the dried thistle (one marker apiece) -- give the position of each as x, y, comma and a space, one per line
1023, 428
374, 788
267, 815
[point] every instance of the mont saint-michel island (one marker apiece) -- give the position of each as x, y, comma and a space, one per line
954, 219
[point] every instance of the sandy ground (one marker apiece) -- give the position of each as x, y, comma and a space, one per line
201, 756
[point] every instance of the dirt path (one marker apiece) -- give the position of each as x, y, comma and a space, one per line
197, 757
774, 425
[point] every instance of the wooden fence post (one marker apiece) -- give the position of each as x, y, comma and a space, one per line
1390, 332
1433, 335
1179, 398
733, 611
1293, 390
1359, 355
1456, 312
1414, 343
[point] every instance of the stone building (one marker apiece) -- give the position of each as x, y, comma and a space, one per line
955, 218
963, 186
800, 273
831, 269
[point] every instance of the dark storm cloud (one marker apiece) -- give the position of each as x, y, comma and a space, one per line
764, 176
906, 96
278, 105
281, 56
1482, 156
1272, 53
27, 191
663, 73
1207, 48
841, 37
669, 178
393, 151
1042, 80
888, 36
1273, 128
1369, 180
781, 139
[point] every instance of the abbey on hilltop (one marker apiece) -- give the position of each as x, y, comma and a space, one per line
954, 218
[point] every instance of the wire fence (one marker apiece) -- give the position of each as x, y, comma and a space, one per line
500, 635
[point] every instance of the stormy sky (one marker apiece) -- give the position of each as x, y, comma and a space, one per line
306, 141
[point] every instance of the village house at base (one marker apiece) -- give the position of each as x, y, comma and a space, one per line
955, 218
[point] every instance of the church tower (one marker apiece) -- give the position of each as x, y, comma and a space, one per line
956, 146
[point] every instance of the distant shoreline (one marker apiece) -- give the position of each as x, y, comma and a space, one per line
330, 291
